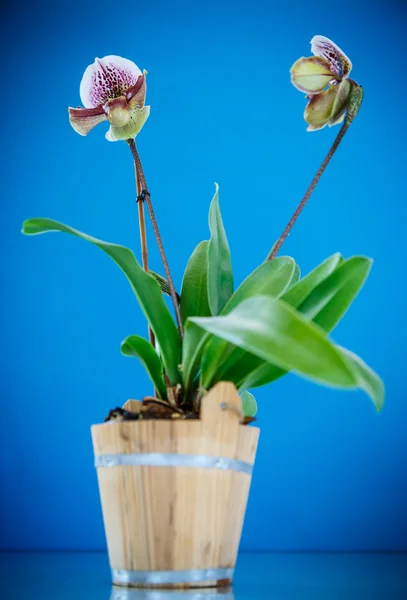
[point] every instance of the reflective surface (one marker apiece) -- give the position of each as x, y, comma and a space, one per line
285, 576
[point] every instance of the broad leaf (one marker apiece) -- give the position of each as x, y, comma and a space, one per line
245, 371
138, 347
272, 330
328, 302
304, 287
367, 379
296, 276
144, 286
193, 347
194, 293
260, 374
325, 306
249, 404
220, 277
272, 278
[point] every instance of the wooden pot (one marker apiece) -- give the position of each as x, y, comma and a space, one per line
174, 494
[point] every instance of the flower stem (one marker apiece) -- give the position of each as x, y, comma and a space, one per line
353, 108
143, 236
146, 196
142, 223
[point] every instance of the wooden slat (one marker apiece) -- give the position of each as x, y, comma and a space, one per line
132, 405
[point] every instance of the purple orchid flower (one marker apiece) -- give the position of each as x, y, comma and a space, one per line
112, 89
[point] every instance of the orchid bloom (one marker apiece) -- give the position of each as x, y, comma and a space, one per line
324, 77
112, 89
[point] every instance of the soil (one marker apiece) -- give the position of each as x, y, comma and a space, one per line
153, 408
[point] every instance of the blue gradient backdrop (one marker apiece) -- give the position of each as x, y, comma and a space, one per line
331, 474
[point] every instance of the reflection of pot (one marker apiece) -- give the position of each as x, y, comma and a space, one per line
204, 594
174, 494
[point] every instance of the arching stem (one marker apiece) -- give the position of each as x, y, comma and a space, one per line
355, 100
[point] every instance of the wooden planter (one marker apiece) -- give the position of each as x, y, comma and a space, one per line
174, 494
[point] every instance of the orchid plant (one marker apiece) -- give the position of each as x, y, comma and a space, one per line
275, 321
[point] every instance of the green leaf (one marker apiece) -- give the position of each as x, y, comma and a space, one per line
220, 276
329, 300
304, 287
249, 404
272, 278
162, 282
260, 374
193, 347
194, 302
138, 347
194, 293
296, 276
325, 306
272, 330
144, 286
367, 379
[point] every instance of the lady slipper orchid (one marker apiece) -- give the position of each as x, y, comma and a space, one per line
112, 89
324, 77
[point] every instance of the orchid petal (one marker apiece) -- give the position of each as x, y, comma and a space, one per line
136, 95
117, 111
338, 119
311, 75
317, 127
341, 102
319, 108
138, 116
85, 119
107, 78
339, 63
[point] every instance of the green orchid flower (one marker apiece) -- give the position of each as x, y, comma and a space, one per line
324, 78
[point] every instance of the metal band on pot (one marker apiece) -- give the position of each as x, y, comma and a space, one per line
156, 459
139, 594
125, 577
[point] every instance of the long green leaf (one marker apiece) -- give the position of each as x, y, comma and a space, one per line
138, 347
367, 379
304, 287
193, 347
329, 301
296, 276
220, 276
325, 306
272, 330
272, 278
194, 303
257, 375
194, 293
250, 372
144, 286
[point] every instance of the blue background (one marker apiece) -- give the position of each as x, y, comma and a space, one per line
331, 473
